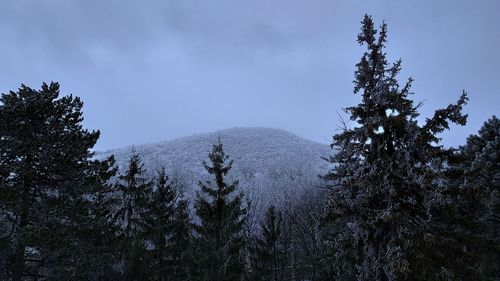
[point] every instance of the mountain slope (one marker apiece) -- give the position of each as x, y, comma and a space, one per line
271, 164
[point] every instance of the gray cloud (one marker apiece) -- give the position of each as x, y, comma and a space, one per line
155, 70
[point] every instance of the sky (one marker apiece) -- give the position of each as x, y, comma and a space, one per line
156, 70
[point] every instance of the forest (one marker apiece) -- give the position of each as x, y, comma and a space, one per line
397, 204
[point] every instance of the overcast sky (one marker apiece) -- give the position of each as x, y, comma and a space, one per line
156, 70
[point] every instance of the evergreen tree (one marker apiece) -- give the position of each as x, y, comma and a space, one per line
181, 241
166, 231
269, 257
96, 248
386, 168
135, 188
473, 193
46, 180
219, 239
158, 227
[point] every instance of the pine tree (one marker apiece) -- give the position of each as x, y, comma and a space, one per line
158, 227
386, 168
269, 257
166, 230
181, 241
46, 180
135, 188
473, 193
219, 239
96, 246
482, 158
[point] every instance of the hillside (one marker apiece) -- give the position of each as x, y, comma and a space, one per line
271, 164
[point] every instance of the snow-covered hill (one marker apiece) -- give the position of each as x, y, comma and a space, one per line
272, 165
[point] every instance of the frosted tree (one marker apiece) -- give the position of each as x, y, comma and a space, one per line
219, 239
386, 166
472, 201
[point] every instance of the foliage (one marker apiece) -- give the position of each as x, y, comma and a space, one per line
386, 178
47, 182
400, 205
473, 198
219, 239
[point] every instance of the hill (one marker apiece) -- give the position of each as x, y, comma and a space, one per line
272, 165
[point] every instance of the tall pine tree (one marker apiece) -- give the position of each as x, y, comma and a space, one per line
47, 181
181, 241
473, 200
386, 167
95, 249
166, 231
219, 239
135, 189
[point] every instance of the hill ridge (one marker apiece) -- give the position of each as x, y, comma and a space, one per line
269, 163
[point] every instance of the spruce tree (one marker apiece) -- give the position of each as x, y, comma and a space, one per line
181, 241
158, 225
166, 230
96, 247
219, 238
135, 188
386, 168
47, 181
473, 198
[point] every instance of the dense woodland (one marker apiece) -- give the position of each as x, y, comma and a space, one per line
397, 205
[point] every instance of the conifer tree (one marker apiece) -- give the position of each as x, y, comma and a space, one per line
473, 198
386, 168
166, 230
46, 180
96, 249
219, 238
181, 241
158, 225
135, 188
269, 257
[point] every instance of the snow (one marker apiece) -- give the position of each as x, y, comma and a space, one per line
270, 164
379, 130
391, 112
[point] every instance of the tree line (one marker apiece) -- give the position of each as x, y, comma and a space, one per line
396, 205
